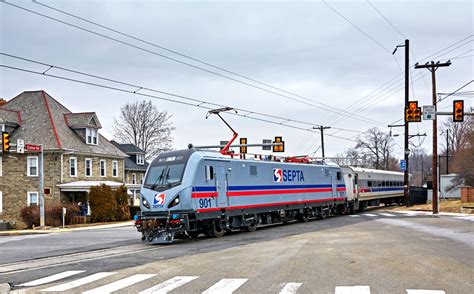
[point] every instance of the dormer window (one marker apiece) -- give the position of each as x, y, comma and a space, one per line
140, 159
92, 136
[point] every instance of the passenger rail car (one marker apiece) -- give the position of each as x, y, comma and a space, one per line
188, 192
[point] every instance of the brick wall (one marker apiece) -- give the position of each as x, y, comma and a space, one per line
467, 194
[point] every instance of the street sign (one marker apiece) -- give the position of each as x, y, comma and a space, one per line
31, 147
20, 146
403, 164
267, 141
429, 112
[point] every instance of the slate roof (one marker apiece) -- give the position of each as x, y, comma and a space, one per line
128, 148
43, 121
131, 162
11, 117
82, 120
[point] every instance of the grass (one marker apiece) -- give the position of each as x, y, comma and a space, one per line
445, 206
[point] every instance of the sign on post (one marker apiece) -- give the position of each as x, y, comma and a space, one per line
31, 147
429, 112
403, 164
267, 141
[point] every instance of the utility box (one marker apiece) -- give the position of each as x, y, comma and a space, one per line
445, 182
4, 226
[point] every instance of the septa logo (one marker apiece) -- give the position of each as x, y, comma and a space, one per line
158, 200
277, 175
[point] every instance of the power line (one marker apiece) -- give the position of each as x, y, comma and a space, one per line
452, 93
315, 104
437, 52
355, 26
386, 19
197, 103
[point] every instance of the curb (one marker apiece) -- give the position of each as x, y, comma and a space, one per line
64, 230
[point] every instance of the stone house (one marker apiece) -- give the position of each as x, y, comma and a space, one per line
76, 155
135, 169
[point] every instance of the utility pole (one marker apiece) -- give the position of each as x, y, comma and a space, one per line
407, 98
447, 151
321, 130
432, 67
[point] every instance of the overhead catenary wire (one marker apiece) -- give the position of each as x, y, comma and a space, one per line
308, 102
277, 120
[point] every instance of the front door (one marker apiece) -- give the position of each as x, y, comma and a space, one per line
221, 183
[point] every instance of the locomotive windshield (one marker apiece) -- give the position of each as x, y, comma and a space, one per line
166, 171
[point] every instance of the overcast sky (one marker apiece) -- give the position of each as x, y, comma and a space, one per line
305, 48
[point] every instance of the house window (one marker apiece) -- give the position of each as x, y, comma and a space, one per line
88, 167
32, 198
140, 159
73, 166
1, 167
32, 166
103, 168
115, 168
92, 136
134, 178
141, 178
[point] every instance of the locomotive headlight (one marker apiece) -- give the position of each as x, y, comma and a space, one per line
174, 202
145, 203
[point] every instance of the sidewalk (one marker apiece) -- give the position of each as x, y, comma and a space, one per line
70, 228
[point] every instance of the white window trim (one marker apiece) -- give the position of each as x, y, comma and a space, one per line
85, 167
28, 199
28, 166
116, 169
1, 202
1, 166
141, 179
105, 168
94, 133
134, 179
75, 167
140, 159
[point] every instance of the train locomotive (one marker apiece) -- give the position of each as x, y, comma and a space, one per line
192, 191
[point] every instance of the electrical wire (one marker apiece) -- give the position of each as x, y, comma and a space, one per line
314, 103
197, 103
452, 93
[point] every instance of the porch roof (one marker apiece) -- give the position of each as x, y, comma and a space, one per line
84, 186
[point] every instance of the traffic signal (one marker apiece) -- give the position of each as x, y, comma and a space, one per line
279, 148
6, 142
243, 149
413, 112
458, 110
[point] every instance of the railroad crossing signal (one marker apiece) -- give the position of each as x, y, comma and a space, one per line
6, 142
279, 148
458, 111
243, 149
413, 112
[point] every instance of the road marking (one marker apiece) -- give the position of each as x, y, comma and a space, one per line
290, 288
50, 279
79, 282
369, 214
386, 214
169, 285
7, 239
412, 291
120, 284
354, 215
470, 218
225, 286
352, 290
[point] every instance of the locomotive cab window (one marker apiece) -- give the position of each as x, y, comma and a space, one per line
369, 183
339, 176
209, 172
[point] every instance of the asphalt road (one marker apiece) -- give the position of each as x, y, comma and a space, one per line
375, 252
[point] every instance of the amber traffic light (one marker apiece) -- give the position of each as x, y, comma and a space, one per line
413, 112
243, 149
6, 141
279, 148
458, 110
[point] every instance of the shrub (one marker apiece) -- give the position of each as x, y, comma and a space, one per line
30, 215
121, 196
103, 204
52, 214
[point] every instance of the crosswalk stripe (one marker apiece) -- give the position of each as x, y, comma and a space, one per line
290, 288
352, 290
225, 286
50, 279
169, 285
120, 284
386, 214
415, 291
354, 215
369, 214
79, 282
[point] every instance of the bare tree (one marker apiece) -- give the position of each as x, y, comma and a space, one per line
464, 159
378, 146
456, 133
351, 157
141, 123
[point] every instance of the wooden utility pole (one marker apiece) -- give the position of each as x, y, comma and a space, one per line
432, 67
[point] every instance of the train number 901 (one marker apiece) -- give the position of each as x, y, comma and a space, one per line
205, 203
